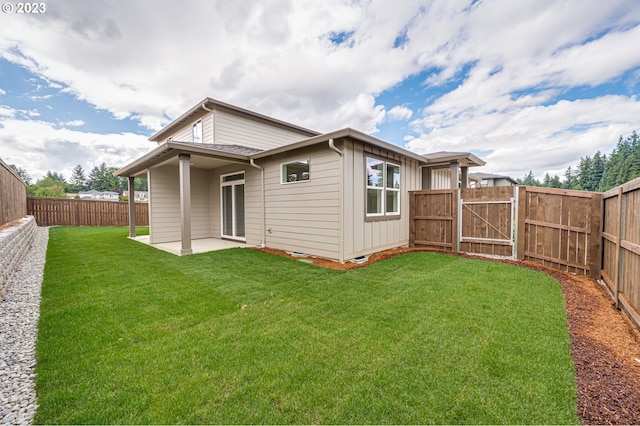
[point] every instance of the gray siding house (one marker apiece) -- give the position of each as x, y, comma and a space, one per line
220, 171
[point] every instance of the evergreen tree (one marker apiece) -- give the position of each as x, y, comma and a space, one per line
555, 182
102, 179
529, 180
635, 155
24, 175
569, 179
78, 180
55, 176
584, 173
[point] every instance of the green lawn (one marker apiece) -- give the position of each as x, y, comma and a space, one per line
130, 334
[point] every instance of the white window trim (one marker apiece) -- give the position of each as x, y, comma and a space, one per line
194, 128
383, 189
284, 181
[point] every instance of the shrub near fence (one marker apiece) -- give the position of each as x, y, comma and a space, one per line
13, 195
64, 212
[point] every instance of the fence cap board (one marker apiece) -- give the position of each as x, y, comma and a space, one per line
556, 191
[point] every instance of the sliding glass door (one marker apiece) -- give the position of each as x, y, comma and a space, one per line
232, 202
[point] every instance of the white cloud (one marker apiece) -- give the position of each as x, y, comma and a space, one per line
399, 112
6, 111
538, 138
38, 146
150, 63
2, 92
74, 123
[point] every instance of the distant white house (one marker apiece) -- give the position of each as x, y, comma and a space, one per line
138, 196
97, 195
488, 180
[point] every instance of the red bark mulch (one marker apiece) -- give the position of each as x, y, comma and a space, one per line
605, 346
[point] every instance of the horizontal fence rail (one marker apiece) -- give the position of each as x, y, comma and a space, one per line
67, 212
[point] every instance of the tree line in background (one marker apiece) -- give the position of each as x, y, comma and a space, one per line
598, 173
54, 184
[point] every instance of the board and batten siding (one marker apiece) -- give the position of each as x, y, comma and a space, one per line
363, 237
305, 216
252, 199
440, 179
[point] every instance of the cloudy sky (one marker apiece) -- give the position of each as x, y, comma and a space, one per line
526, 85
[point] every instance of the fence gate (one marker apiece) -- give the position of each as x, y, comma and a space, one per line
487, 221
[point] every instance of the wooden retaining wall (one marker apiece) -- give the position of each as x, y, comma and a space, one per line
64, 212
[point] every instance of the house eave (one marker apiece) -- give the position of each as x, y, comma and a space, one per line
170, 149
469, 159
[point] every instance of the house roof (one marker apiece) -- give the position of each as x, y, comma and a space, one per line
170, 149
491, 176
208, 103
242, 154
343, 133
446, 157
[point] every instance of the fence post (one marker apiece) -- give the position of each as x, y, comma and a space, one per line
521, 215
412, 220
595, 238
457, 223
619, 249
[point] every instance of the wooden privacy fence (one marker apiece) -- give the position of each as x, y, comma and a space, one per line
621, 247
64, 212
13, 195
580, 232
558, 228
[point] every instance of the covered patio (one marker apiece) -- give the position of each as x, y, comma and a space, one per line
195, 205
201, 245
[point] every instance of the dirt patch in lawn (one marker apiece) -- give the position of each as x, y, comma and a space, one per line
605, 346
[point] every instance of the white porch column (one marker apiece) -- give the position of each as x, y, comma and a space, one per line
185, 203
132, 208
454, 174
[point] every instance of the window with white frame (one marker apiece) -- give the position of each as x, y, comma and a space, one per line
295, 171
197, 132
383, 188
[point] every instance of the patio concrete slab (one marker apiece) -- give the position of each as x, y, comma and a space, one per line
202, 245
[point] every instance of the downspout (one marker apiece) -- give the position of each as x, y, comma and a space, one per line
264, 216
213, 119
333, 147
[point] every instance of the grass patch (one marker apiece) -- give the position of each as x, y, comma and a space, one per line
130, 334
